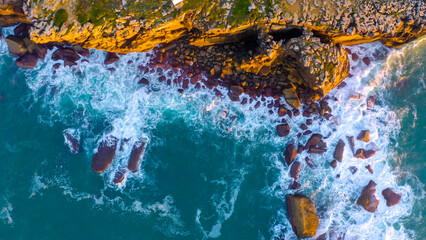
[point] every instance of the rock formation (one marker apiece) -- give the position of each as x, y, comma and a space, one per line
368, 199
302, 215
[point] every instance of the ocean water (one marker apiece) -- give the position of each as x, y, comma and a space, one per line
213, 169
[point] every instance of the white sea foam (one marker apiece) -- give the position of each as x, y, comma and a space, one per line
96, 103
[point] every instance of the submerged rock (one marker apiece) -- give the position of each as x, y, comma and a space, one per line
290, 154
302, 215
72, 142
106, 152
120, 176
338, 152
295, 170
351, 141
391, 197
283, 130
135, 155
368, 198
364, 135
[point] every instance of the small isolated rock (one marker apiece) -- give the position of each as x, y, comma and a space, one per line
391, 197
371, 100
313, 141
106, 152
364, 135
338, 152
120, 176
360, 154
353, 169
368, 198
290, 154
303, 218
143, 81
369, 153
283, 130
135, 155
368, 167
366, 60
295, 170
111, 58
333, 164
27, 61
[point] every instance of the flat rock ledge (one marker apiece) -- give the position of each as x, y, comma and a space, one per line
303, 218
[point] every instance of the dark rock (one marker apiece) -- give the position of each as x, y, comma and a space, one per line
16, 45
364, 135
290, 154
322, 237
283, 130
310, 163
295, 185
282, 111
143, 81
353, 169
313, 140
366, 60
299, 148
27, 61
351, 141
322, 144
368, 167
302, 216
233, 97
41, 51
368, 198
338, 152
303, 127
369, 153
69, 63
316, 150
81, 51
106, 152
305, 133
355, 57
296, 112
120, 176
111, 58
295, 170
21, 30
65, 53
333, 164
72, 142
360, 154
308, 121
135, 155
391, 197
237, 90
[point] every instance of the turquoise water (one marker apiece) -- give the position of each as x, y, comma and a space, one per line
212, 168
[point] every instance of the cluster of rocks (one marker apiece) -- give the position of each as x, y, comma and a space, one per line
106, 153
369, 201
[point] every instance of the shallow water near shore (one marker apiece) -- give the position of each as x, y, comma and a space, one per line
212, 168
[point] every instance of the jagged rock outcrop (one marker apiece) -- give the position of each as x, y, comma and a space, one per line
303, 218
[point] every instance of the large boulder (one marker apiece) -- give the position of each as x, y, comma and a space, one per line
291, 97
283, 130
290, 154
368, 198
313, 140
27, 61
295, 170
303, 218
64, 54
111, 58
106, 152
338, 152
135, 155
391, 197
16, 45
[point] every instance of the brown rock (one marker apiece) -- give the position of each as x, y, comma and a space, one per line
81, 51
120, 176
65, 53
295, 185
143, 81
338, 152
290, 154
106, 152
41, 51
313, 140
369, 169
283, 130
364, 135
316, 150
16, 45
360, 154
366, 60
295, 170
353, 169
135, 155
369, 153
27, 61
291, 97
333, 164
237, 90
303, 127
391, 197
111, 58
216, 71
233, 97
351, 141
368, 198
303, 218
371, 100
282, 111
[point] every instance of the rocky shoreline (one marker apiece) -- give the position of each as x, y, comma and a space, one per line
281, 63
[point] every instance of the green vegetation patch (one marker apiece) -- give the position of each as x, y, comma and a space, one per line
61, 16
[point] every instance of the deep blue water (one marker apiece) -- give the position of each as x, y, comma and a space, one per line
212, 168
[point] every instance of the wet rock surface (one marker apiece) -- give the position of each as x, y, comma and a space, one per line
368, 199
391, 197
106, 152
135, 156
283, 130
290, 154
338, 151
302, 215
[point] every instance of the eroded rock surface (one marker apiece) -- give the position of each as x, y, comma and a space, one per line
302, 215
368, 199
106, 152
